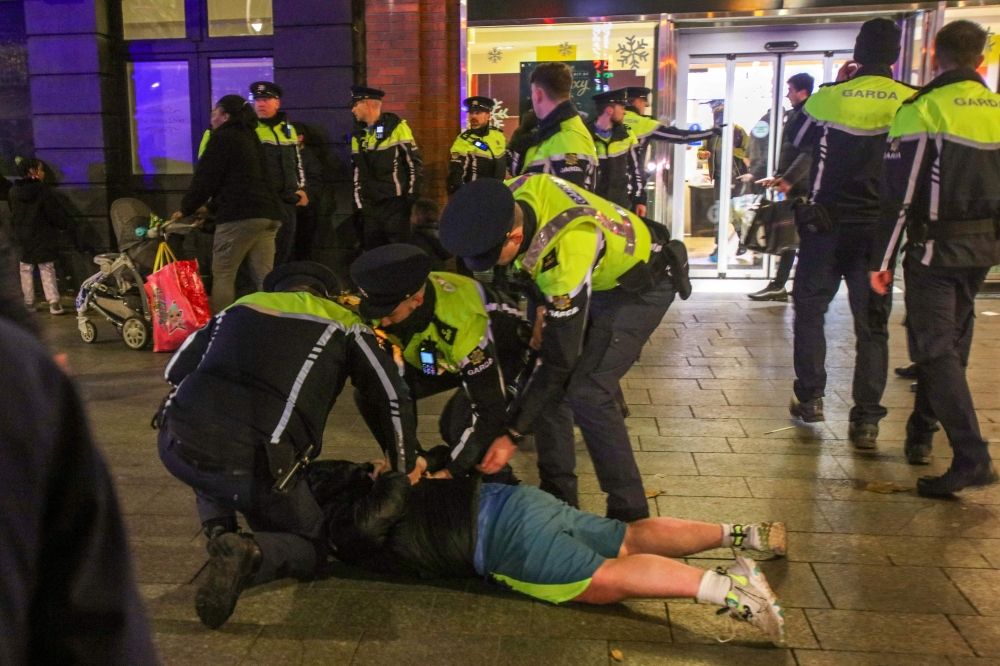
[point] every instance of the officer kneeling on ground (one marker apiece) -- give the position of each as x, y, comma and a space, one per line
253, 389
941, 182
601, 273
453, 332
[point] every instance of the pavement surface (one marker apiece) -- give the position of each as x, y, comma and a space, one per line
870, 579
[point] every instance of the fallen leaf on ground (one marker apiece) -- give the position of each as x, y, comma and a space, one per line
617, 654
650, 494
886, 487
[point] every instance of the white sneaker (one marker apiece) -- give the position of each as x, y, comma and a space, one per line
765, 537
751, 600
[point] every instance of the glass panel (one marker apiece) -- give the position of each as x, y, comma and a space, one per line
160, 110
153, 19
233, 76
751, 117
706, 92
239, 18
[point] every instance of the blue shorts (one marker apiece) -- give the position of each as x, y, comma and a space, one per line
539, 545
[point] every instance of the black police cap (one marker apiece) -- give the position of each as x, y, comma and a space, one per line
619, 96
261, 89
638, 92
476, 221
360, 93
479, 103
387, 276
302, 273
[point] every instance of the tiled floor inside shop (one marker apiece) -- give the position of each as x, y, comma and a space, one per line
870, 578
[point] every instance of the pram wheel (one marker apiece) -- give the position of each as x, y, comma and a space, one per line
136, 333
88, 332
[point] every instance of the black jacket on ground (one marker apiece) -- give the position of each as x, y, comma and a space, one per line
66, 589
231, 173
387, 525
37, 219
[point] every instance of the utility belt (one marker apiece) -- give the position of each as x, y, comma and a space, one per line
668, 259
923, 232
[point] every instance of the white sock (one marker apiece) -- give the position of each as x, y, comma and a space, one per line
727, 535
713, 588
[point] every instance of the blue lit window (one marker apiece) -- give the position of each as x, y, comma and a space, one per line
160, 109
233, 76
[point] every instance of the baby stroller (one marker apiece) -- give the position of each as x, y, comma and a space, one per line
118, 291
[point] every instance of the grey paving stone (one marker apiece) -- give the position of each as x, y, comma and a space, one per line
766, 488
700, 428
980, 586
887, 632
537, 651
842, 548
192, 644
891, 589
983, 634
830, 658
798, 515
666, 654
428, 649
697, 486
769, 466
668, 396
168, 563
304, 646
663, 411
691, 444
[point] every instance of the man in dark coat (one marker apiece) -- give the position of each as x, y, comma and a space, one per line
66, 589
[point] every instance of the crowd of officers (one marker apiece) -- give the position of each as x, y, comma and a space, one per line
598, 278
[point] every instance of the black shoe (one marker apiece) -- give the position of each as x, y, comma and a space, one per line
918, 447
907, 371
771, 292
235, 559
863, 435
810, 411
913, 387
983, 474
218, 526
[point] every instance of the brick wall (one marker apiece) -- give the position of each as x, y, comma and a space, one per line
413, 55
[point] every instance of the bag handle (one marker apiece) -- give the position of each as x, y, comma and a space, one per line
164, 256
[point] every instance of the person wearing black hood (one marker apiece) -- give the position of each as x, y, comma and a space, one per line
844, 127
37, 220
231, 172
285, 172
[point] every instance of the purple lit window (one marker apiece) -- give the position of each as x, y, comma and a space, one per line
160, 107
233, 76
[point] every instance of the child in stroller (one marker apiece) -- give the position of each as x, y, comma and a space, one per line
117, 291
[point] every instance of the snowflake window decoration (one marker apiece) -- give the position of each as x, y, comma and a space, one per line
499, 114
565, 49
495, 55
632, 51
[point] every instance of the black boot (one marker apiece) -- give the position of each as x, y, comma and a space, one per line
772, 292
907, 371
810, 411
235, 559
918, 445
863, 435
956, 479
219, 526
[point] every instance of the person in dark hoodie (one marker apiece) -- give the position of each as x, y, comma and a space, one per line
231, 172
285, 173
37, 219
527, 540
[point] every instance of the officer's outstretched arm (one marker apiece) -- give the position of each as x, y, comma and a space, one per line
671, 134
383, 399
483, 384
187, 358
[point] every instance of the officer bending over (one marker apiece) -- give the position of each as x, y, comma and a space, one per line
481, 150
453, 332
844, 126
600, 272
941, 183
253, 389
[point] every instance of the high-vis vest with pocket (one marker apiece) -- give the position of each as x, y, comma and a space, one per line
642, 126
619, 174
474, 157
580, 239
386, 160
570, 152
281, 155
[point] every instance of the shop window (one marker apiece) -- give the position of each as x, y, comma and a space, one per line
604, 56
989, 19
239, 18
233, 76
153, 19
160, 110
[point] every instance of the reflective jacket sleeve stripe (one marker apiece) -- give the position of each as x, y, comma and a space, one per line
674, 135
302, 171
895, 200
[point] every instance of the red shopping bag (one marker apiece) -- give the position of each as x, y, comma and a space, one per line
177, 300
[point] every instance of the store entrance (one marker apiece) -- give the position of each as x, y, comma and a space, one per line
715, 186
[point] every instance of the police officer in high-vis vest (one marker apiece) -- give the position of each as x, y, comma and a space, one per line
844, 126
600, 273
561, 144
941, 185
453, 332
282, 159
481, 150
388, 169
647, 128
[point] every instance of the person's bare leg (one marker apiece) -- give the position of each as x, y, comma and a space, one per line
670, 537
642, 576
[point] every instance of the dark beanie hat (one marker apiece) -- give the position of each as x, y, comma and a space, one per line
878, 42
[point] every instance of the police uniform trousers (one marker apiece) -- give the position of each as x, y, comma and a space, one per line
940, 313
385, 222
288, 528
285, 239
823, 260
620, 323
